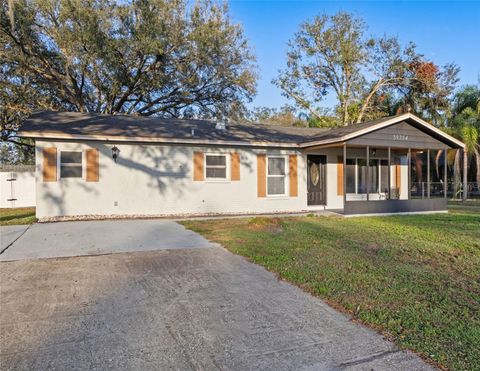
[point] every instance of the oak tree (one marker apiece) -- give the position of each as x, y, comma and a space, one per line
334, 54
167, 58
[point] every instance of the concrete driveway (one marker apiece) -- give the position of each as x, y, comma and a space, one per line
185, 309
51, 240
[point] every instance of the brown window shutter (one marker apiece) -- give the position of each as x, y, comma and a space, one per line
261, 175
49, 164
235, 165
293, 175
198, 159
340, 175
398, 178
92, 165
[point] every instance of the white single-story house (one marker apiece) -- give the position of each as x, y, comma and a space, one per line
117, 165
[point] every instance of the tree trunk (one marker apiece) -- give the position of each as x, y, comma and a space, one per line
345, 112
437, 162
366, 102
363, 109
11, 15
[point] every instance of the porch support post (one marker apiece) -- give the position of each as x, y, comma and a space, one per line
368, 172
344, 174
465, 169
428, 173
445, 169
409, 167
389, 174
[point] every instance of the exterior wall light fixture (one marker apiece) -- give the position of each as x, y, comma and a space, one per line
115, 153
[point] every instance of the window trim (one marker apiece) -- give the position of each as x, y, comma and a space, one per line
286, 176
59, 164
227, 167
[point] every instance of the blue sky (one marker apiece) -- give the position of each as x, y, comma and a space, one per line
444, 31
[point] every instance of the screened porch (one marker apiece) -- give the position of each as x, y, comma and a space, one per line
392, 179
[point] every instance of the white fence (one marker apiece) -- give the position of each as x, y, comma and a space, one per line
17, 186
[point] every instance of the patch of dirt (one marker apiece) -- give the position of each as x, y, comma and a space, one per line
270, 225
372, 248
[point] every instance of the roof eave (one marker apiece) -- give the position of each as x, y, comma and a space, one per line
407, 116
62, 136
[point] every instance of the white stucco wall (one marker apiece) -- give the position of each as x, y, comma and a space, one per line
153, 179
19, 192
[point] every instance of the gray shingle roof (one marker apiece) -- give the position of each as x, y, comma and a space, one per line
89, 125
111, 126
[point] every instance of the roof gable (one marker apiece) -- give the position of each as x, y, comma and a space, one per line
347, 134
400, 135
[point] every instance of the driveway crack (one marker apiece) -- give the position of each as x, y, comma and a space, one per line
15, 240
369, 358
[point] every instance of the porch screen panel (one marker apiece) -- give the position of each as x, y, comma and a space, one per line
437, 173
418, 174
398, 181
400, 174
350, 174
362, 176
384, 176
373, 177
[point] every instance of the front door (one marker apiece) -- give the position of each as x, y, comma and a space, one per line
316, 179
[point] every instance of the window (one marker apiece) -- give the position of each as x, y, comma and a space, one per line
276, 176
356, 176
216, 166
70, 164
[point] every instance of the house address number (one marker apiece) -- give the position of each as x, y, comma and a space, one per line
400, 137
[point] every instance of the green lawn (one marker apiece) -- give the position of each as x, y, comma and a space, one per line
24, 215
416, 279
469, 206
